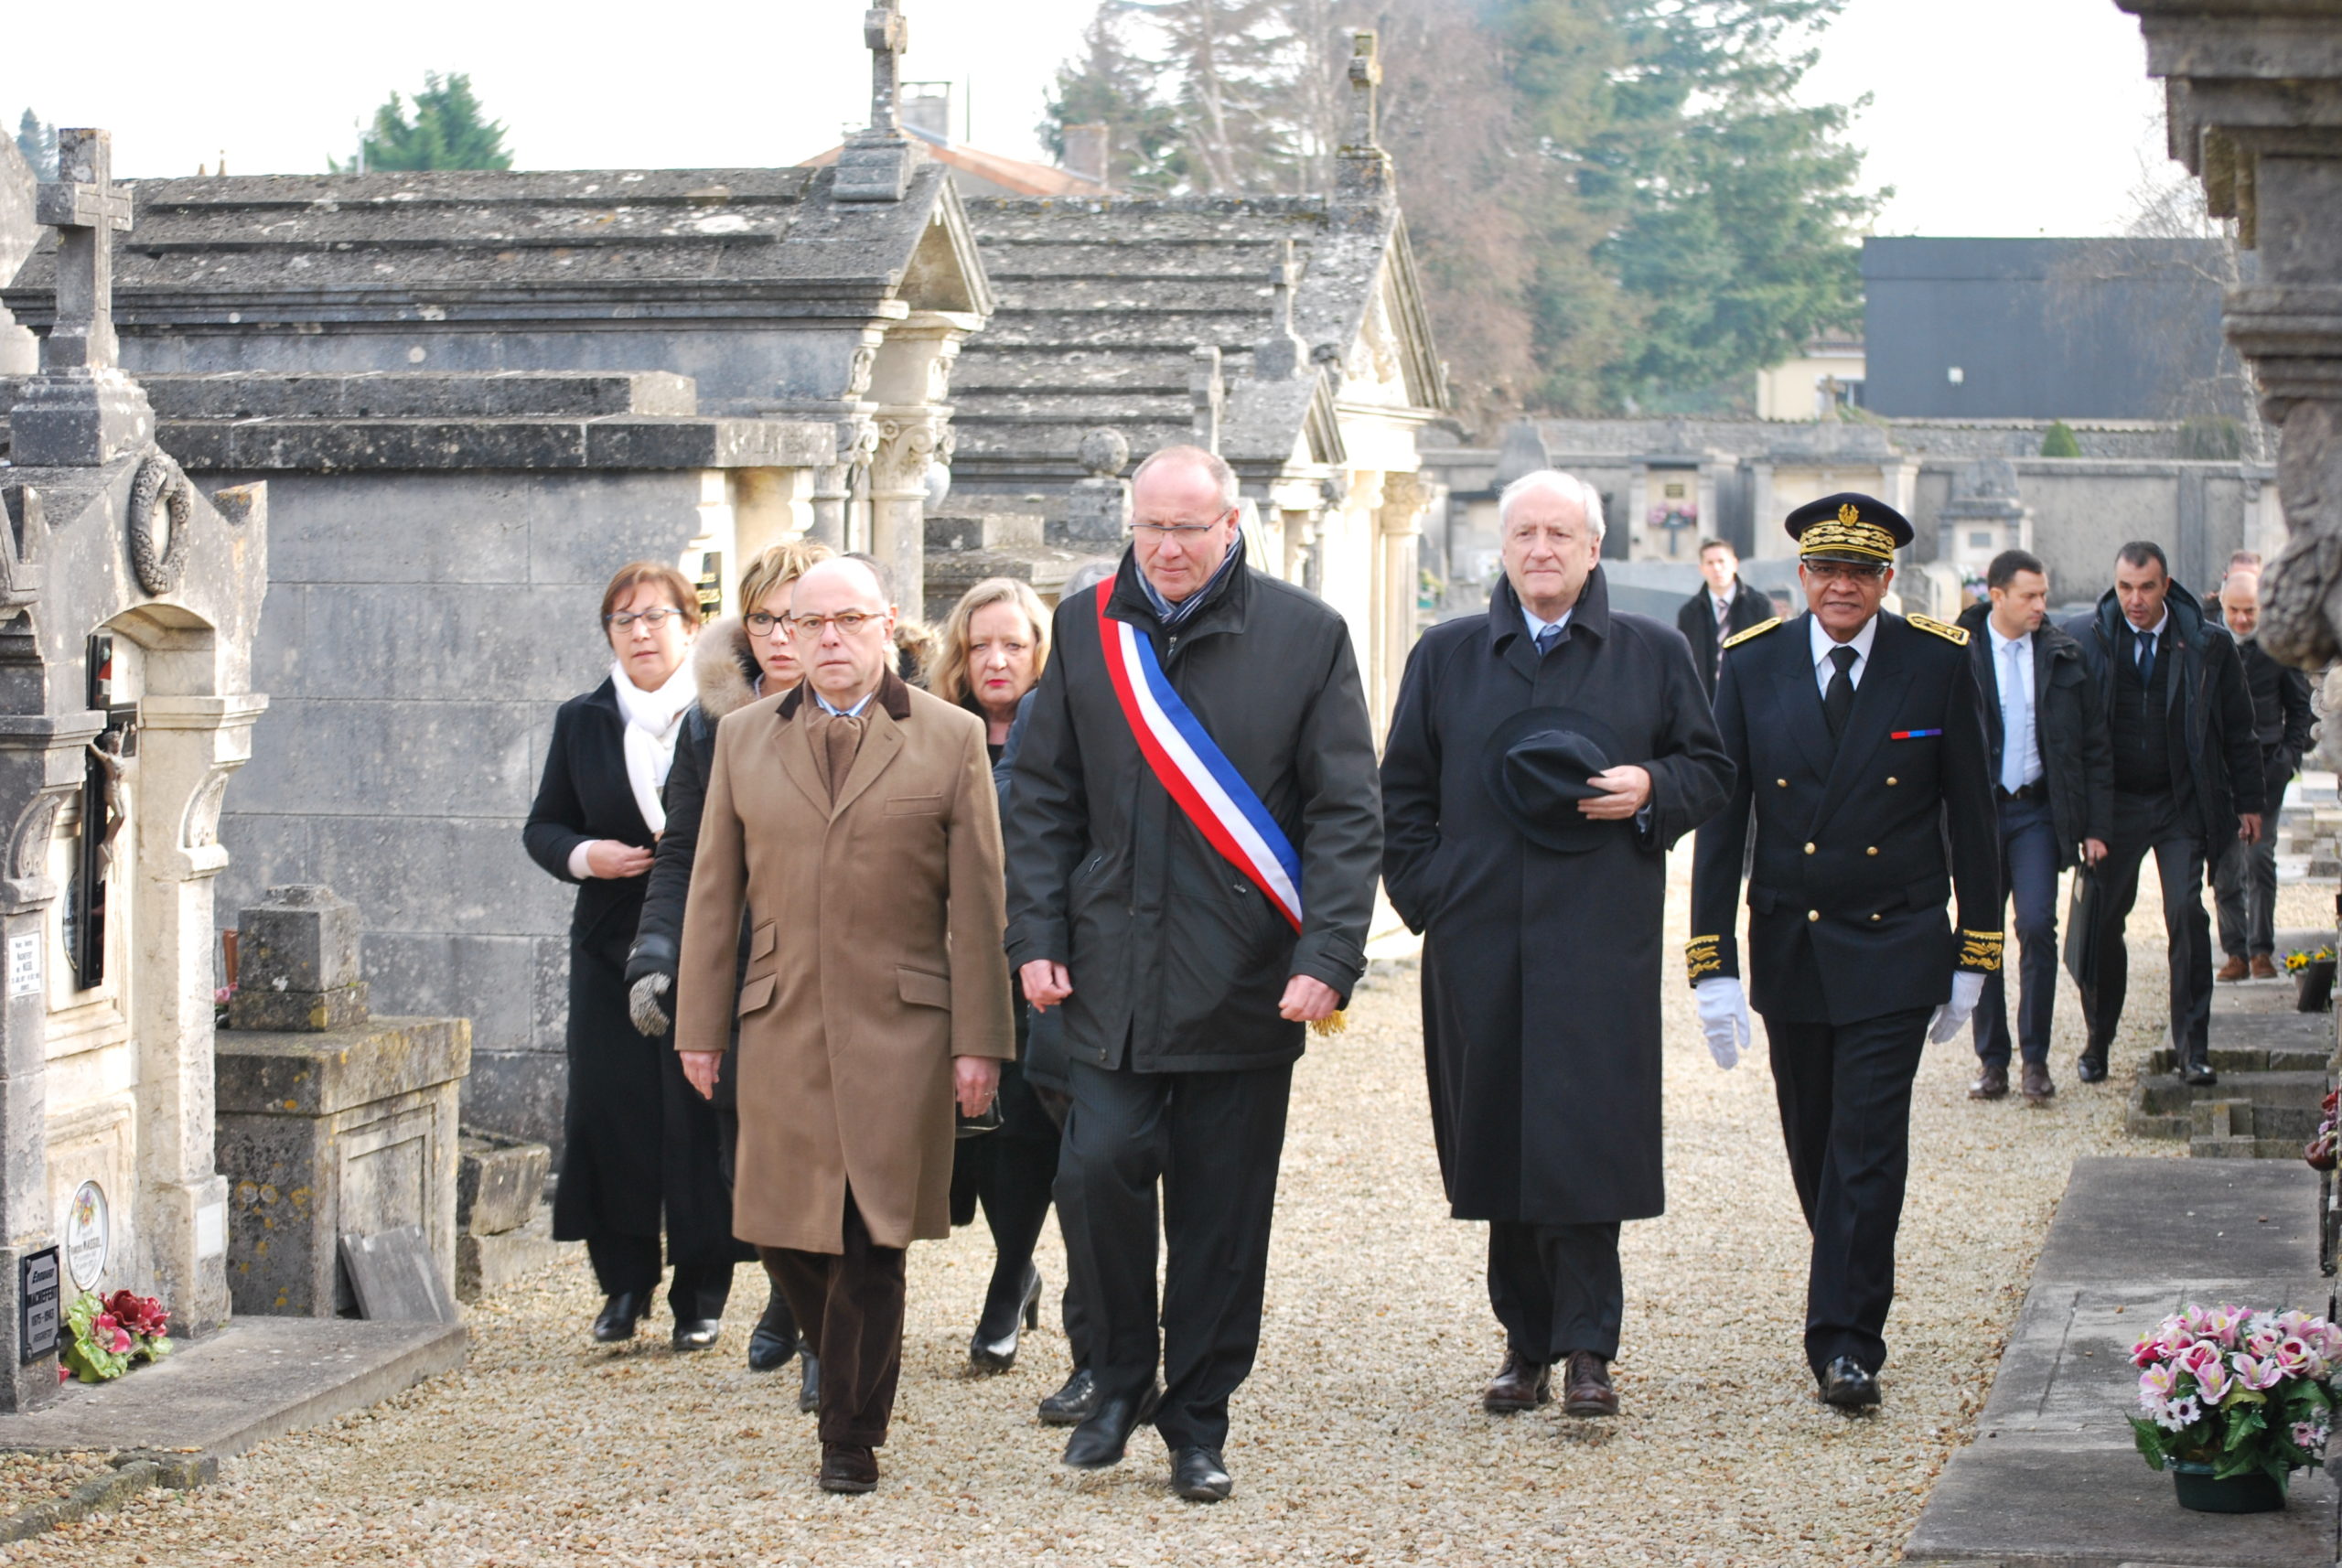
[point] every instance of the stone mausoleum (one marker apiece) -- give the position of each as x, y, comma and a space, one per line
130, 598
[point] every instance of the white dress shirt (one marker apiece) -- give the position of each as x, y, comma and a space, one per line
837, 713
1537, 626
2020, 742
1823, 643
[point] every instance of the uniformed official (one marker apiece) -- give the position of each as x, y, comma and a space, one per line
1859, 740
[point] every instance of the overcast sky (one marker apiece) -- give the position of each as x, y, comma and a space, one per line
1989, 116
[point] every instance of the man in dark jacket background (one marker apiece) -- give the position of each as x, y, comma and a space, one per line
1532, 864
2186, 784
2244, 882
1723, 607
1186, 991
2052, 782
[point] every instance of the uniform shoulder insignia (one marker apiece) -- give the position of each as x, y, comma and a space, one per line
1955, 635
1759, 629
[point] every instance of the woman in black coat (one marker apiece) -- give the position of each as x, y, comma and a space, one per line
639, 1145
738, 659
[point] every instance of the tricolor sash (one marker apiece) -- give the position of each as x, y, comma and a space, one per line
1190, 765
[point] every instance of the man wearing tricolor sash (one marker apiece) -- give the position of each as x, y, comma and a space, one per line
1194, 839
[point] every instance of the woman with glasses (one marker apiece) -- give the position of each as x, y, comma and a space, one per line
599, 811
739, 658
996, 643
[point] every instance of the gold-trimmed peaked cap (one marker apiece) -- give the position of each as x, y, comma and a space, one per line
1848, 526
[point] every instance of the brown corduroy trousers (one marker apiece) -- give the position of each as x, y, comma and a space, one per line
849, 1306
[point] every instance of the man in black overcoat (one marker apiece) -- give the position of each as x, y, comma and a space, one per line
1187, 993
2244, 881
1863, 771
1542, 758
1723, 609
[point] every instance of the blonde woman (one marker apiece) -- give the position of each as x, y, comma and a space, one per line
739, 658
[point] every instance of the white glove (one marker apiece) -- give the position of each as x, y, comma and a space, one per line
1967, 989
1723, 1018
642, 1004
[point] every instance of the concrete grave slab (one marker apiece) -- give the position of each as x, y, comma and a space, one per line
2052, 1476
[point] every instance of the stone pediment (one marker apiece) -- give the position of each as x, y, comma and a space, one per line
1102, 303
455, 246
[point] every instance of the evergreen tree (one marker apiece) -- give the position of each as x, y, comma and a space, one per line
2060, 441
36, 139
1112, 86
448, 130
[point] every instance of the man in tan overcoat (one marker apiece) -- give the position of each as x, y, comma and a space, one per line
855, 819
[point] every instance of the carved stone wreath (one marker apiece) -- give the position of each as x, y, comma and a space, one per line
159, 479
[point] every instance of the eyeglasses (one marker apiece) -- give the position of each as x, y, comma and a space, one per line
1162, 530
656, 618
762, 624
848, 622
1846, 571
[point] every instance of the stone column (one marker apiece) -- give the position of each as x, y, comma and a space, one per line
188, 746
911, 384
2252, 88
1398, 530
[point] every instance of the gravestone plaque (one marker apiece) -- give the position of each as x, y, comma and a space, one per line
40, 1299
395, 1278
89, 1235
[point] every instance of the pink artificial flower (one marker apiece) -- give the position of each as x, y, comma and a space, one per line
2154, 1387
2148, 1352
110, 1332
2257, 1372
2198, 1356
2293, 1357
2213, 1380
2309, 1435
2263, 1341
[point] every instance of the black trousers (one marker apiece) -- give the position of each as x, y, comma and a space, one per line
2244, 891
2029, 872
699, 1290
2144, 823
1212, 1140
850, 1305
1845, 1091
1556, 1288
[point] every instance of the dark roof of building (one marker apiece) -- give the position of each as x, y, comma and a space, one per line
1102, 302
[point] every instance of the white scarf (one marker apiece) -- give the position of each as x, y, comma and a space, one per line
653, 721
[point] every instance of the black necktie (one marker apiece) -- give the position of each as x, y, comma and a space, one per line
1839, 701
1546, 638
2146, 658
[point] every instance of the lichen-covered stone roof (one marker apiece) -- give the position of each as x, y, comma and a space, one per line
1102, 303
456, 245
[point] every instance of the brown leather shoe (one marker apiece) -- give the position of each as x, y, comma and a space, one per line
2261, 968
1519, 1384
1993, 1083
848, 1468
2035, 1085
2236, 969
1585, 1387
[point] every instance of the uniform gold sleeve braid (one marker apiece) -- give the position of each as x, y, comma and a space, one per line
1759, 629
1702, 959
1981, 949
1955, 635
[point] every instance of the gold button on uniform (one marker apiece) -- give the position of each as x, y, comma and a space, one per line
1813, 914
1890, 780
1872, 850
1874, 917
1808, 849
1782, 782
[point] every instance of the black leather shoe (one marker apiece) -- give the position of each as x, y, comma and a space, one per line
993, 1346
1197, 1475
1103, 1435
697, 1333
847, 1467
772, 1344
2091, 1068
2198, 1075
1845, 1384
1071, 1404
1519, 1384
619, 1315
809, 1389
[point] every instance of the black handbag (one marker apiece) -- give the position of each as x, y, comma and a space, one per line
2081, 928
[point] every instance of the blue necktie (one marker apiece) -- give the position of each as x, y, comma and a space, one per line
1546, 638
2146, 658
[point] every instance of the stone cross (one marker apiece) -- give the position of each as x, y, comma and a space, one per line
87, 210
1280, 356
888, 36
1366, 75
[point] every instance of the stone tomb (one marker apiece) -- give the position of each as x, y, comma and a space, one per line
128, 603
334, 1128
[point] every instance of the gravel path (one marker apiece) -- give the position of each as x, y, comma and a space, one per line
1359, 1438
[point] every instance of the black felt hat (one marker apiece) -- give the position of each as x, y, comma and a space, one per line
1848, 526
1536, 766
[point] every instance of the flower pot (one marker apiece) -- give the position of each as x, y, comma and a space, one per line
2313, 985
2199, 1488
